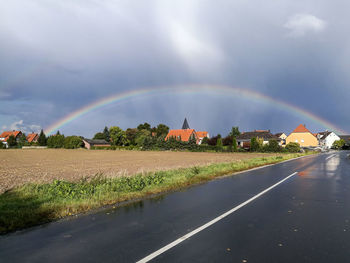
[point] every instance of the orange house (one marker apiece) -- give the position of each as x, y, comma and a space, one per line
32, 137
201, 135
6, 134
302, 136
183, 134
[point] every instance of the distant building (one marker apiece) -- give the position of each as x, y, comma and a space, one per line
186, 134
243, 140
201, 135
185, 125
32, 137
327, 138
303, 136
282, 136
95, 143
6, 134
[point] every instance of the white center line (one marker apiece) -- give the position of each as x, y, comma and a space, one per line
197, 230
329, 157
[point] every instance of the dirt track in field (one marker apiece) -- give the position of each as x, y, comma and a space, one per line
18, 167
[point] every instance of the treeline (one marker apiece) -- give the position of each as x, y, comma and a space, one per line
132, 136
60, 141
145, 137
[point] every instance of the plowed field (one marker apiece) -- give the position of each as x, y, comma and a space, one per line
18, 167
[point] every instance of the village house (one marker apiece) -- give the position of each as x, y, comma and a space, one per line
282, 136
327, 138
186, 134
303, 136
201, 135
95, 143
243, 140
32, 137
6, 135
183, 135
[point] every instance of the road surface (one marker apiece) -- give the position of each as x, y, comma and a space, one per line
296, 211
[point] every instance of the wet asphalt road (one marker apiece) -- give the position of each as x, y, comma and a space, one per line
304, 219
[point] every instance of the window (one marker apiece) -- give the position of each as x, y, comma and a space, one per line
296, 140
302, 140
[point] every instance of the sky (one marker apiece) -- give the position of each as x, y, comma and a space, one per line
59, 56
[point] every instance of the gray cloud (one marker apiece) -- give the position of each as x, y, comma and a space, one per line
301, 24
59, 56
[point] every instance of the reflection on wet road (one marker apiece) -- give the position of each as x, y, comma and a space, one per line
306, 218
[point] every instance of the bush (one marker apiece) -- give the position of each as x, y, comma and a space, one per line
219, 143
73, 142
272, 146
234, 144
293, 147
338, 144
254, 145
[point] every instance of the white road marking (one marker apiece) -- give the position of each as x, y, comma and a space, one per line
331, 156
199, 229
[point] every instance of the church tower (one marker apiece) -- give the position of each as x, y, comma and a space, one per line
185, 125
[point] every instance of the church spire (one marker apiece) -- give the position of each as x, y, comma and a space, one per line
185, 125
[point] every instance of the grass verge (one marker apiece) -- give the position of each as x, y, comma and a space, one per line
35, 204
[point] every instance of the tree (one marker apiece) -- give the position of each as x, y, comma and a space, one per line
73, 142
227, 140
131, 135
42, 138
338, 144
142, 136
213, 140
205, 140
234, 144
235, 132
254, 145
293, 147
58, 133
55, 141
100, 136
11, 141
117, 135
145, 126
22, 140
106, 134
219, 143
162, 130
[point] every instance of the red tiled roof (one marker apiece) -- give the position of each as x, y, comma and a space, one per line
32, 136
184, 134
302, 128
7, 134
202, 134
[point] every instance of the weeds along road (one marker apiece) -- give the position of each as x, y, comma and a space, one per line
296, 211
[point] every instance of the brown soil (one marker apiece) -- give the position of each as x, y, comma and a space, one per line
18, 167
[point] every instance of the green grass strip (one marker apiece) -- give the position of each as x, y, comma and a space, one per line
34, 204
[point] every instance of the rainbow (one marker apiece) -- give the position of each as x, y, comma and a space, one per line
195, 89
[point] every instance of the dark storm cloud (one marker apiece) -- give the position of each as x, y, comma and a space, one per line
57, 56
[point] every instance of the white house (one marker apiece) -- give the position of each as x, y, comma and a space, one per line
327, 138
